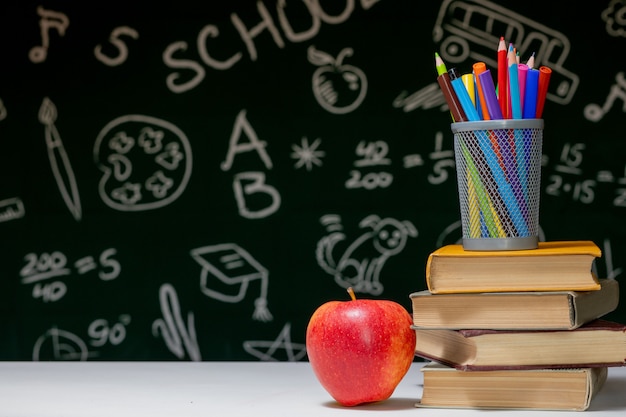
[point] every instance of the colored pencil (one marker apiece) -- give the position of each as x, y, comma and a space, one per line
503, 78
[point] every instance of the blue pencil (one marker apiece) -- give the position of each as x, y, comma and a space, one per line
530, 99
463, 95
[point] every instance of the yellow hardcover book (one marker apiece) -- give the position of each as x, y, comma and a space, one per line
529, 310
552, 266
539, 389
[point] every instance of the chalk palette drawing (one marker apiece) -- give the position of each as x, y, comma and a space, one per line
119, 44
179, 336
227, 270
613, 16
146, 162
339, 88
49, 19
307, 155
60, 345
359, 265
59, 161
280, 349
594, 112
11, 209
465, 30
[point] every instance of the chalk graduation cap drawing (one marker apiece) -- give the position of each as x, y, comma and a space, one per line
227, 270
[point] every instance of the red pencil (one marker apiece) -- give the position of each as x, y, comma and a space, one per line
503, 70
542, 90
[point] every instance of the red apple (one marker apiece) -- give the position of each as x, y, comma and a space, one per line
360, 349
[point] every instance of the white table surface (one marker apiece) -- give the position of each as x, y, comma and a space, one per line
224, 389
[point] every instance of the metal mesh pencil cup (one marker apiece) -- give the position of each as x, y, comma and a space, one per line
498, 168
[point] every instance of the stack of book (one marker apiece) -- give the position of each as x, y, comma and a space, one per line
516, 329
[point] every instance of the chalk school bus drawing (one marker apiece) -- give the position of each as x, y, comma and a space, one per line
470, 31
359, 265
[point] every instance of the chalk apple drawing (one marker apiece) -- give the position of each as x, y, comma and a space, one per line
146, 162
339, 88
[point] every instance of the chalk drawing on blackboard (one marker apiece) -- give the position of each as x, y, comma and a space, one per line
227, 270
594, 112
59, 161
146, 162
270, 350
3, 111
360, 264
426, 98
235, 146
49, 19
307, 155
465, 30
119, 44
60, 345
179, 336
339, 88
613, 15
11, 209
255, 198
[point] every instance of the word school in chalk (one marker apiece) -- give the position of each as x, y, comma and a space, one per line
312, 11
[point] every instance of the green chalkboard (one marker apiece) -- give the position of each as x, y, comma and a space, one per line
190, 180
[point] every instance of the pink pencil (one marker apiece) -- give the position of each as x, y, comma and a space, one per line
522, 71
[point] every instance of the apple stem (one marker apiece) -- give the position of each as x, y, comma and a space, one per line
351, 292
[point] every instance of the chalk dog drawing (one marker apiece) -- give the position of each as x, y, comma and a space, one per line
59, 161
232, 268
269, 350
146, 162
180, 337
614, 18
339, 88
360, 264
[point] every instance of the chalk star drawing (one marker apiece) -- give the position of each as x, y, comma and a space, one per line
294, 351
307, 155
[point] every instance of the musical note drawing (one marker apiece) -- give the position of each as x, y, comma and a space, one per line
360, 264
233, 266
59, 161
49, 20
180, 337
269, 350
594, 112
60, 345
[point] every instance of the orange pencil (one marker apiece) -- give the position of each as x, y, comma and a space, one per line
503, 69
479, 68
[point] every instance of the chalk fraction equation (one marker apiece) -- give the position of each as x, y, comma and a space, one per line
48, 272
567, 178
